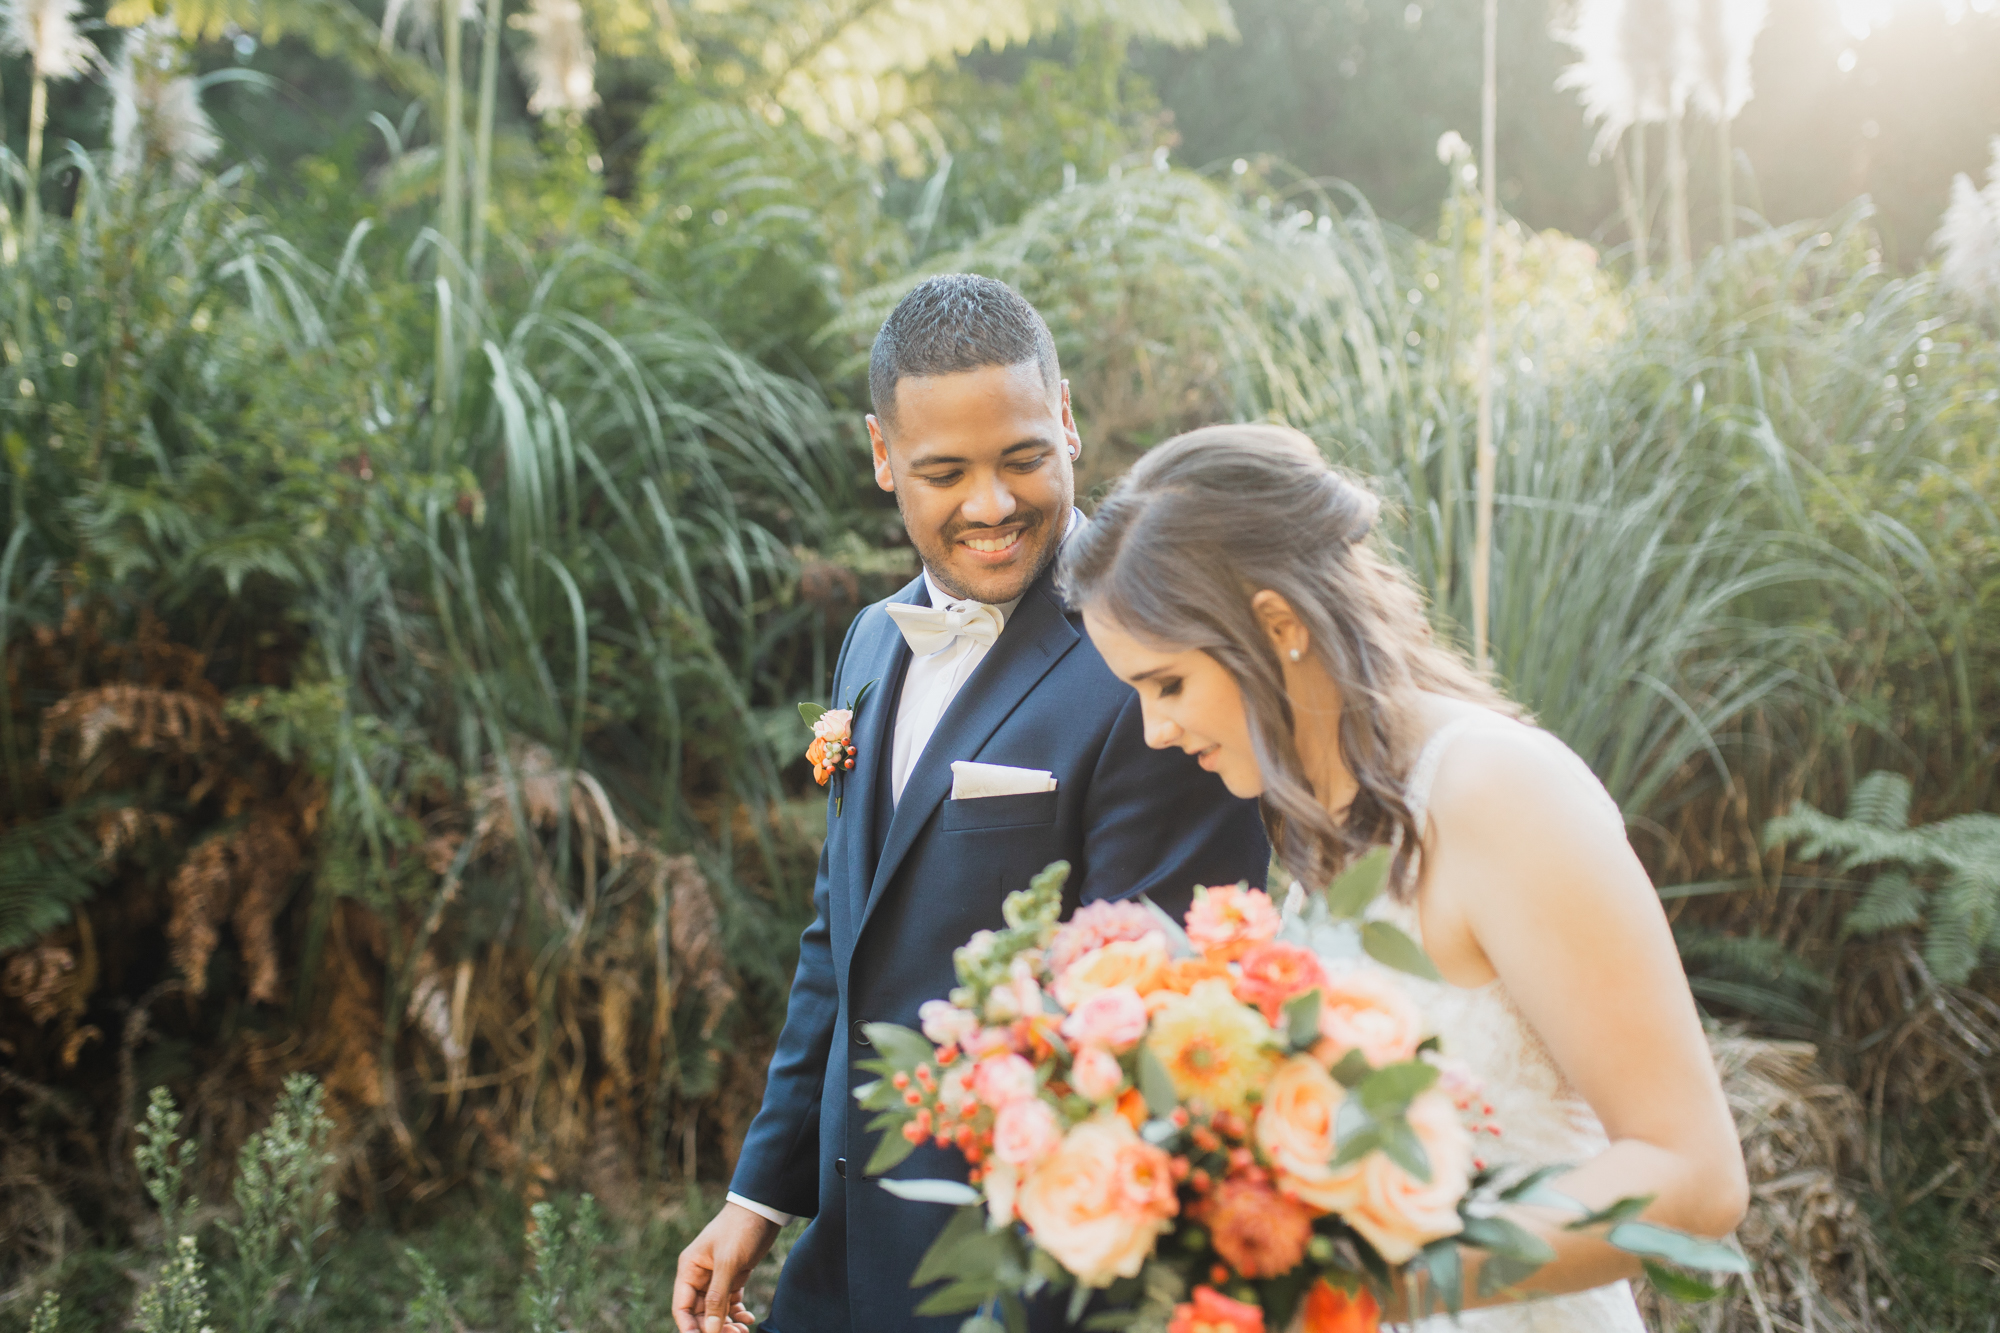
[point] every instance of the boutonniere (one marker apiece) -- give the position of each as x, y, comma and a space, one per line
832, 751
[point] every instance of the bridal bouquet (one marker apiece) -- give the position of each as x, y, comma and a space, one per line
1214, 1125
1216, 1129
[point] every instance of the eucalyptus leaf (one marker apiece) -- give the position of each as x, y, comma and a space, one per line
1155, 1084
964, 1243
954, 1192
967, 1293
1359, 885
1353, 1070
1624, 1210
904, 1049
1679, 1286
1447, 1270
1400, 1142
1302, 1019
1391, 1090
1507, 1239
1651, 1241
1392, 948
889, 1153
1500, 1272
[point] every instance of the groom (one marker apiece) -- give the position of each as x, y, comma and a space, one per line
976, 660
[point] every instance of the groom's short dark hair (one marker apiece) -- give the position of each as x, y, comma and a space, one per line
953, 323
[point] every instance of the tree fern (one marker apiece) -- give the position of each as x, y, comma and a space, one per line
1944, 876
47, 867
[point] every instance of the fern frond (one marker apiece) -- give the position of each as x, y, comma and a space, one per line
1881, 799
1893, 900
47, 867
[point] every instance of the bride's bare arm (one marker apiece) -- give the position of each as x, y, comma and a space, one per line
1529, 877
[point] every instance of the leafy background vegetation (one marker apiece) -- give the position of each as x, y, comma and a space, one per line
424, 508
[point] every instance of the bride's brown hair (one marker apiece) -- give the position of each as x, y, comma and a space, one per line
1201, 525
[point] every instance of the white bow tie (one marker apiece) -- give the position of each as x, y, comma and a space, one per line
930, 630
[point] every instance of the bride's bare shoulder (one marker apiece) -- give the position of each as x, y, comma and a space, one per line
1516, 777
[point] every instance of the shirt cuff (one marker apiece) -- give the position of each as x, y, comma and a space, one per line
768, 1214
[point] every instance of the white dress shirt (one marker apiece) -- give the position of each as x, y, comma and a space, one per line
929, 686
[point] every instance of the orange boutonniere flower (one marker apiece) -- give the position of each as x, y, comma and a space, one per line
832, 753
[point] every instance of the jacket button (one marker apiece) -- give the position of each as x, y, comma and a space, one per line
840, 1167
860, 1037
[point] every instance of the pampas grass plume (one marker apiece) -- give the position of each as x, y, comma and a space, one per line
560, 64
1725, 33
1632, 62
1970, 236
156, 112
46, 32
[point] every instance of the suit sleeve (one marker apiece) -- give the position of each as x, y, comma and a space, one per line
779, 1164
1157, 823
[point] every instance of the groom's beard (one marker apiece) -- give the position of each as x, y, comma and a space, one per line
1038, 543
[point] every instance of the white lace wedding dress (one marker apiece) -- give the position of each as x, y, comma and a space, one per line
1542, 1120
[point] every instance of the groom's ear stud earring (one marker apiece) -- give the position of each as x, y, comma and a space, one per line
1295, 654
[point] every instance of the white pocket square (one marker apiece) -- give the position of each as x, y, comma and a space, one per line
969, 781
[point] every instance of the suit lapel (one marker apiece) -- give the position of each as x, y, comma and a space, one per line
1036, 638
883, 660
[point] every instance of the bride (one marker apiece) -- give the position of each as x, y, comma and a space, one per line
1230, 581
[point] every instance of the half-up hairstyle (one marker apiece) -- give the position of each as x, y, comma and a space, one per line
1209, 519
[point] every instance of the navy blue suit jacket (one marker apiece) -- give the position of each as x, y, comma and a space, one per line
899, 887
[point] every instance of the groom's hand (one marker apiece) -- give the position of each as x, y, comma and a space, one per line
708, 1286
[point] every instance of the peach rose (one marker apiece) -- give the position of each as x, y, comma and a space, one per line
1025, 1132
1225, 921
1364, 1009
1114, 1018
1002, 1080
1212, 1312
1100, 1202
1393, 1210
1295, 1131
1096, 1074
1257, 1231
1135, 963
1274, 973
1328, 1309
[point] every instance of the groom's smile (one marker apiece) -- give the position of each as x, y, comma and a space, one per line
981, 464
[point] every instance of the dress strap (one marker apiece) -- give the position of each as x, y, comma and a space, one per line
1417, 791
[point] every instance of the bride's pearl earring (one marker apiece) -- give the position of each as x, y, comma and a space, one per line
1295, 654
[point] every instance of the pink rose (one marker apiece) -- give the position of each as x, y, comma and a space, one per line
1096, 925
1100, 1201
835, 724
1114, 1018
1025, 1132
1096, 1074
1226, 920
945, 1024
1002, 1080
1364, 1009
1393, 1210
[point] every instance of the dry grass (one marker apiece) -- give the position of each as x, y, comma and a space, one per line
1803, 1139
